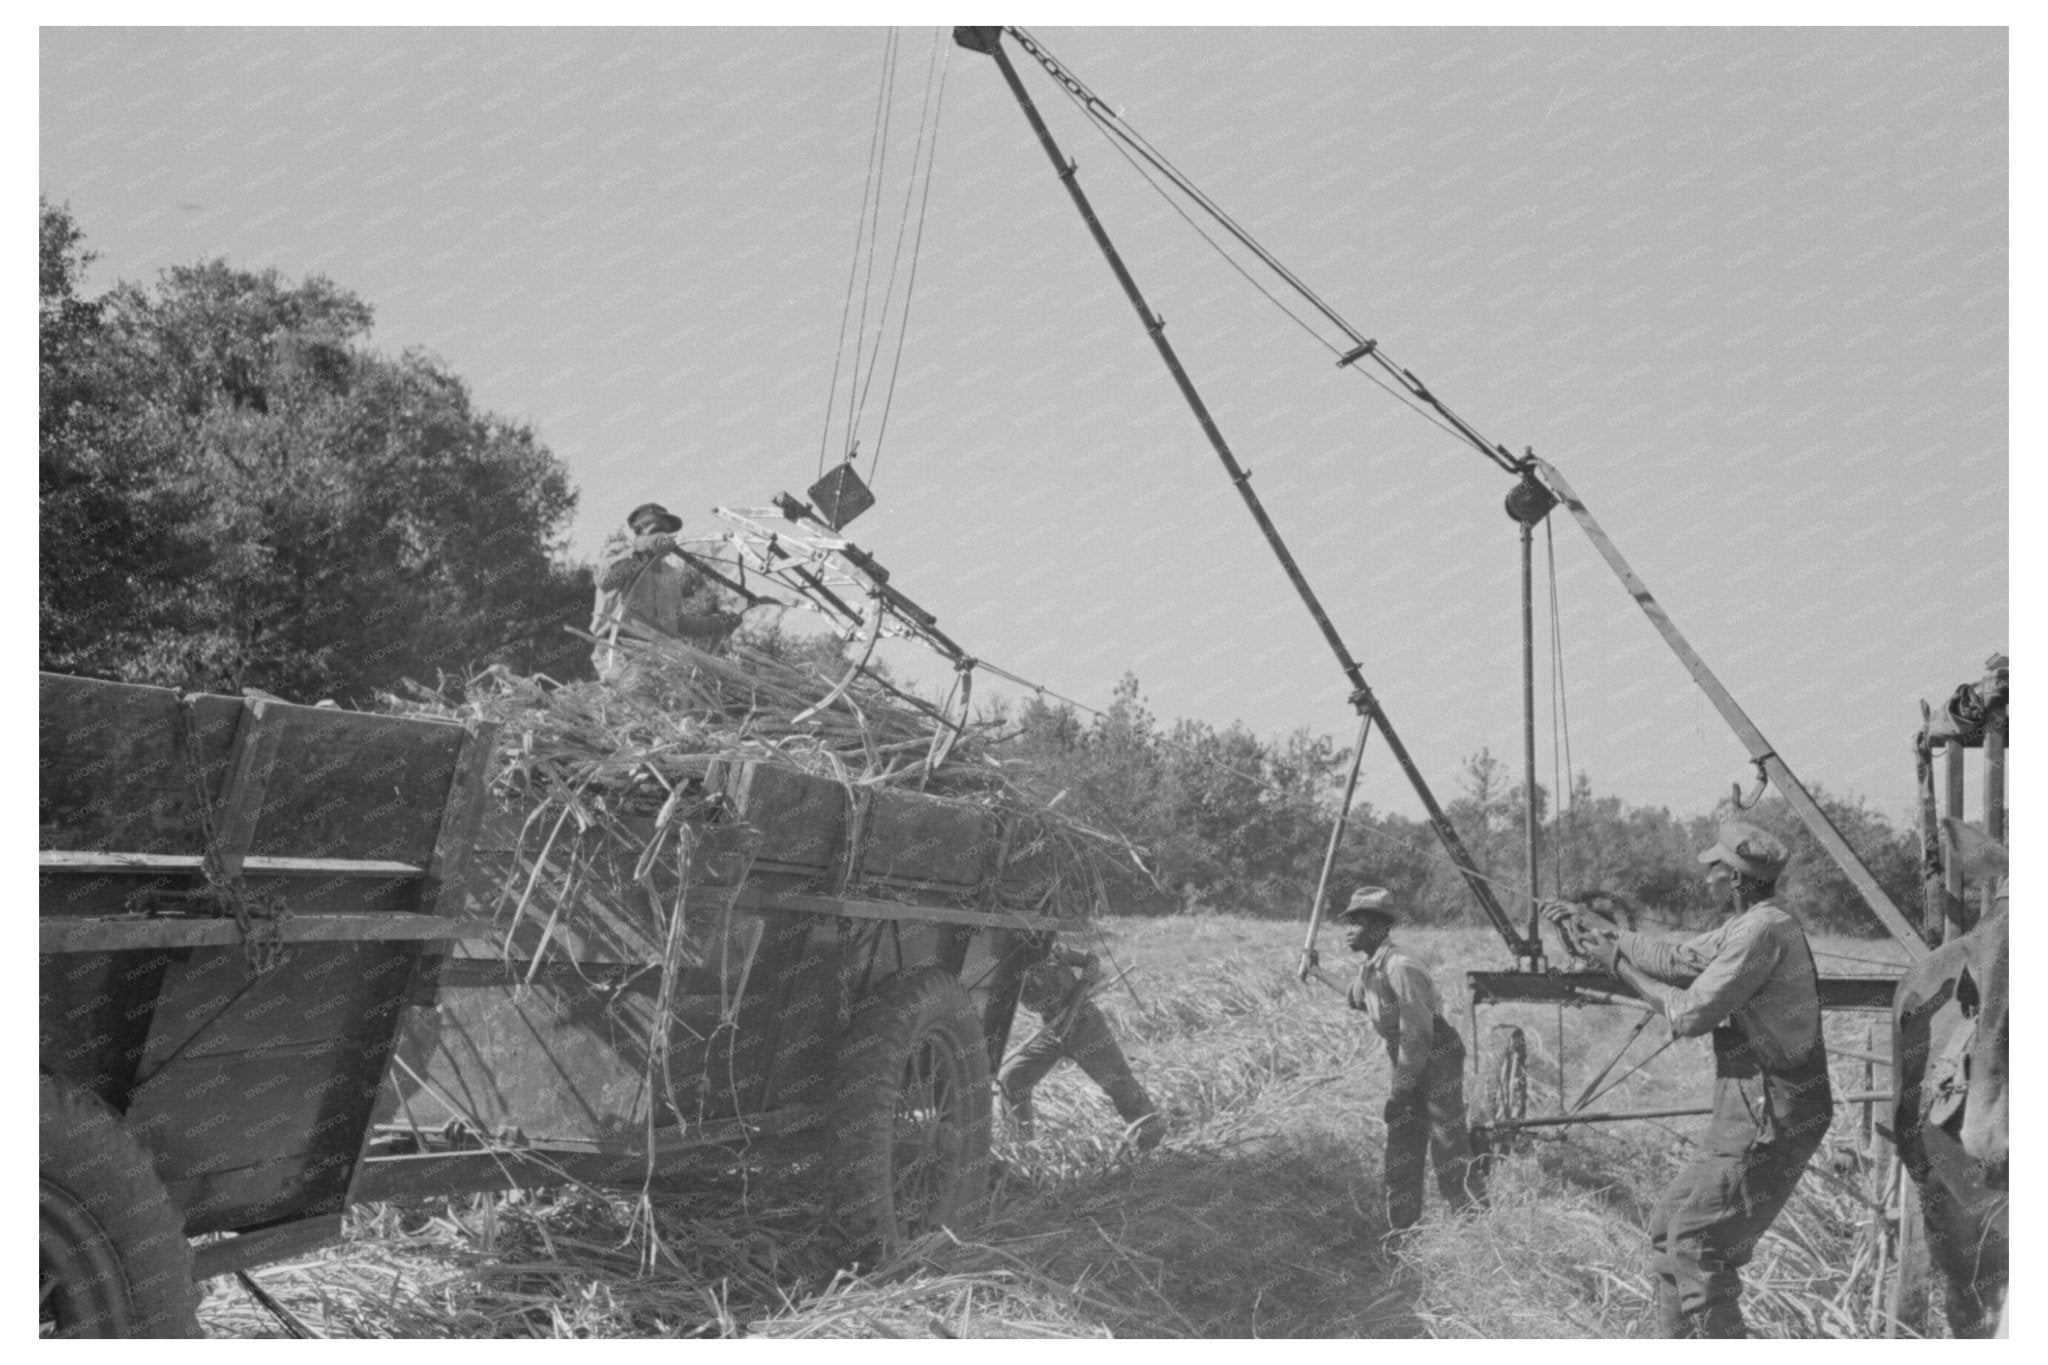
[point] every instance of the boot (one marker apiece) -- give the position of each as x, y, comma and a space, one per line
1017, 1108
1717, 1322
1669, 1322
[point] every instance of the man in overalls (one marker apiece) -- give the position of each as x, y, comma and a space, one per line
1056, 989
1751, 981
641, 590
1425, 1111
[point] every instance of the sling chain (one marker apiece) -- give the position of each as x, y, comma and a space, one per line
259, 915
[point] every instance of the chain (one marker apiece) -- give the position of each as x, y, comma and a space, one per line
260, 916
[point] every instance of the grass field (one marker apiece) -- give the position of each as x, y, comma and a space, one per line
1259, 1216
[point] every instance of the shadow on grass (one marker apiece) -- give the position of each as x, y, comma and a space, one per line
1277, 1240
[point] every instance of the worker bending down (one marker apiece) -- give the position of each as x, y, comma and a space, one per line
1425, 1109
1057, 990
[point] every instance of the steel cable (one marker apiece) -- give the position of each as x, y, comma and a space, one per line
867, 288
852, 273
931, 154
1118, 128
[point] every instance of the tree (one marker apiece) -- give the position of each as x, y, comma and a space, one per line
1813, 884
111, 549
318, 518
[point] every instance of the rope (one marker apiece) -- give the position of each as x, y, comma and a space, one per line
937, 106
1560, 713
1120, 130
867, 285
853, 268
1117, 140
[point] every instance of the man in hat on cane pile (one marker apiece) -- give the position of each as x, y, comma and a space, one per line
1057, 989
1751, 982
641, 588
1425, 1110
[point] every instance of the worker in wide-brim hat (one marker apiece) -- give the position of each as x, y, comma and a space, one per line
1425, 1109
1751, 982
644, 590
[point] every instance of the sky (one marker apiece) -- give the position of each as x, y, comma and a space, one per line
1746, 289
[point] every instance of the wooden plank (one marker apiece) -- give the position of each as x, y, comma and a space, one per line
800, 818
397, 1179
1958, 912
495, 973
113, 771
1994, 802
261, 1248
60, 935
850, 908
444, 892
1994, 778
910, 839
285, 1187
240, 807
1493, 988
359, 785
253, 865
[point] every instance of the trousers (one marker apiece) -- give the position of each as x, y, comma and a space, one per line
1706, 1225
1087, 1042
1427, 1123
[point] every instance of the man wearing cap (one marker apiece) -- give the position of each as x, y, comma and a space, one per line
1425, 1109
1751, 982
1056, 989
641, 590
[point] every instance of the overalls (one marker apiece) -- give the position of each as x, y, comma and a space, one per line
1768, 1120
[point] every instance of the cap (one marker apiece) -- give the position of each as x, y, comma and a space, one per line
1748, 849
654, 511
1374, 899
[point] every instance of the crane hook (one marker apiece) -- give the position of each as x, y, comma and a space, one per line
1755, 778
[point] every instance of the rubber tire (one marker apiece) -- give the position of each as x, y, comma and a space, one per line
913, 1026
1507, 1076
1504, 1098
112, 1256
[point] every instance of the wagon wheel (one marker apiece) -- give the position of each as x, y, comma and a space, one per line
1506, 1099
112, 1257
911, 1135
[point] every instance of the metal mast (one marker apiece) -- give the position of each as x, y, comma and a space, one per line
988, 40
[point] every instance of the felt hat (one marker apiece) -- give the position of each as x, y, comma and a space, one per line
654, 512
1375, 900
1745, 848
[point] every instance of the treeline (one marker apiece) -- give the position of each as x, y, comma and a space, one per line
238, 491
1226, 821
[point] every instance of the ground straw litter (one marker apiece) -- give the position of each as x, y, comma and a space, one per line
1260, 1215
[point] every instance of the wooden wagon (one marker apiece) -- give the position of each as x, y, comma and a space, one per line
282, 973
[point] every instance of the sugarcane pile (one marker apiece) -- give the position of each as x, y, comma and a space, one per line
605, 781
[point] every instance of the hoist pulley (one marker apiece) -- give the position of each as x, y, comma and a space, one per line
1529, 502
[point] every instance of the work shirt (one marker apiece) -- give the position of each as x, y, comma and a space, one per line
1401, 1002
652, 593
1756, 970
